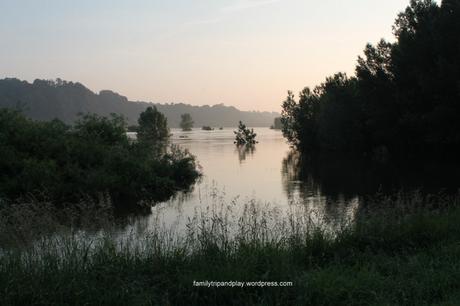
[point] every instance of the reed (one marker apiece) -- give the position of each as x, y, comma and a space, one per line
399, 250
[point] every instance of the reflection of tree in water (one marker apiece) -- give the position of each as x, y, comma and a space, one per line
337, 175
332, 183
245, 151
309, 182
295, 179
139, 224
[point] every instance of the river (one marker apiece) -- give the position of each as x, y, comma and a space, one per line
271, 174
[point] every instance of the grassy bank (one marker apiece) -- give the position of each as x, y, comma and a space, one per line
403, 253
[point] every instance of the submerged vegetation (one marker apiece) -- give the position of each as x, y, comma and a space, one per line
186, 122
63, 164
405, 253
403, 100
244, 135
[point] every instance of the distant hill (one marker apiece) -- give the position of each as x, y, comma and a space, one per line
47, 100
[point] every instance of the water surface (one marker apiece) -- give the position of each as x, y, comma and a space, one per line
266, 173
331, 188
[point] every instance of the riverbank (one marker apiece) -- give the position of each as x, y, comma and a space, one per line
404, 253
52, 161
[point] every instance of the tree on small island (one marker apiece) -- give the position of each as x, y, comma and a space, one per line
186, 122
244, 135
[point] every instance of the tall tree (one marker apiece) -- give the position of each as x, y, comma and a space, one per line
186, 122
377, 95
403, 99
153, 126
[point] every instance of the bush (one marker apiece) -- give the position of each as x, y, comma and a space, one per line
244, 135
63, 163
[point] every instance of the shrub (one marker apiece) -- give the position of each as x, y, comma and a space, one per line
244, 135
63, 163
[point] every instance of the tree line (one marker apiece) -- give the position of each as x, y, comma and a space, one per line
404, 99
50, 99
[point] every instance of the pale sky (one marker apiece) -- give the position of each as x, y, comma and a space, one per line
245, 53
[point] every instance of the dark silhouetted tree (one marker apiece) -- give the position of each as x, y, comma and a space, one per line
186, 122
153, 126
244, 135
403, 99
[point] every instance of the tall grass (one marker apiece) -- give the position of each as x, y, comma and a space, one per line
400, 250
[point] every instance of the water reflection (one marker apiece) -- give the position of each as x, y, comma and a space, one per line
302, 184
330, 189
297, 181
338, 186
245, 151
340, 176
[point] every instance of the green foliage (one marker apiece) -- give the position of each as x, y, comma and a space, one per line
385, 258
244, 135
63, 163
186, 122
153, 126
101, 129
403, 99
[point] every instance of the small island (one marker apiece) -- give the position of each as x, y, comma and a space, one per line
244, 135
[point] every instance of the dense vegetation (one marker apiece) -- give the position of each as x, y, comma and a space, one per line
47, 100
404, 254
403, 100
63, 163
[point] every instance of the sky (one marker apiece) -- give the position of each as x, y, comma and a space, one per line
245, 53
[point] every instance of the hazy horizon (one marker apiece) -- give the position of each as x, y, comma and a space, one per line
244, 53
